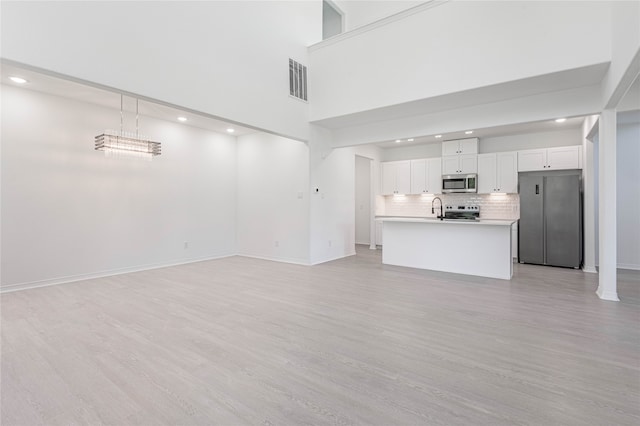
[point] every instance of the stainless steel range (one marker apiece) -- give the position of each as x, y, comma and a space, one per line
462, 212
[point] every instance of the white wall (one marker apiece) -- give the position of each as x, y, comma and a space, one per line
273, 204
457, 46
412, 152
359, 13
628, 196
332, 216
564, 137
225, 58
69, 212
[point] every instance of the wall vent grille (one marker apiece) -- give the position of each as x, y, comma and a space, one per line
297, 80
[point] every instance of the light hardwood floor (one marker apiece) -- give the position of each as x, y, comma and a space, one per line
245, 341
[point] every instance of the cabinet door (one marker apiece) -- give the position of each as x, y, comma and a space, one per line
434, 176
468, 146
403, 177
487, 173
507, 172
418, 176
567, 157
388, 178
468, 163
450, 165
532, 159
450, 148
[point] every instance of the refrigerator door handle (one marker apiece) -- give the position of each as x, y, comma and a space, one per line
537, 189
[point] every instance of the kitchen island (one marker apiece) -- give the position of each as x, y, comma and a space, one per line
481, 248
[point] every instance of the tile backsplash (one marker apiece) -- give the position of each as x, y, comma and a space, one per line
492, 206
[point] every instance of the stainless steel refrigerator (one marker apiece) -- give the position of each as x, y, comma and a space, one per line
550, 227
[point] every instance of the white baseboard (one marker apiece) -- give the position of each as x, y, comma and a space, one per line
276, 259
331, 259
629, 266
608, 295
590, 269
102, 274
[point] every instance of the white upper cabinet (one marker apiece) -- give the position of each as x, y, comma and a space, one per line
418, 176
459, 164
487, 173
396, 177
460, 146
426, 176
561, 158
532, 159
497, 173
460, 156
566, 157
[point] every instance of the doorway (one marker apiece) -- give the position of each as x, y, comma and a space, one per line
363, 200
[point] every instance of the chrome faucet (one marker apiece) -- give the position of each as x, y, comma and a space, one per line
433, 211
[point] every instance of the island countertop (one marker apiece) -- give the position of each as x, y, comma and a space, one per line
417, 219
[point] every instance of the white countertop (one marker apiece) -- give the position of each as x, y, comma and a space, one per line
413, 219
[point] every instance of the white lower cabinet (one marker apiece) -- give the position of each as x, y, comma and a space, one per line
498, 173
426, 176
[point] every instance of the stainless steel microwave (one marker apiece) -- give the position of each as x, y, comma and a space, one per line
459, 183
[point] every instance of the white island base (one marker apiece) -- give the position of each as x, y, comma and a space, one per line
480, 248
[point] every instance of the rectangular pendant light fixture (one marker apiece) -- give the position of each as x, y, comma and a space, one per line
123, 144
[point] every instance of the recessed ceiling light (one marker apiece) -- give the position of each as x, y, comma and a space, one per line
560, 120
468, 132
438, 136
410, 140
398, 140
230, 130
182, 118
18, 80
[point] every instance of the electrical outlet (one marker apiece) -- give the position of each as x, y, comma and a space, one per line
186, 244
276, 243
329, 243
300, 195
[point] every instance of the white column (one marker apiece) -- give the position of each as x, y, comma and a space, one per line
588, 177
607, 284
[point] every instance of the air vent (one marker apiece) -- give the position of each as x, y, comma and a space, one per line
297, 80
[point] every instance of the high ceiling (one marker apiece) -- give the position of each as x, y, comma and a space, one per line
83, 92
